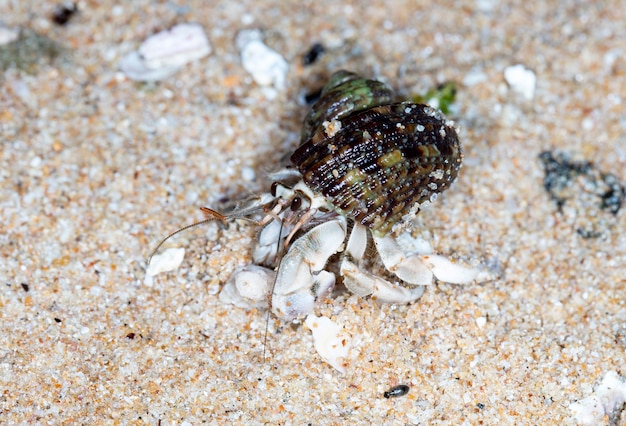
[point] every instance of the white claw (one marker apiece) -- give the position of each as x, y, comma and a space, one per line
301, 279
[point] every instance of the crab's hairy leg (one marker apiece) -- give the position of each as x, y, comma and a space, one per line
301, 221
356, 281
363, 284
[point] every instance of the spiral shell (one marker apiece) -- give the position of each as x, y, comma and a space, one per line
373, 160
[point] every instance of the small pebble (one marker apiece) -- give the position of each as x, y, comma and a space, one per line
521, 80
397, 391
481, 321
63, 12
169, 260
313, 54
267, 67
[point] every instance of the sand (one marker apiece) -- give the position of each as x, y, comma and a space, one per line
95, 169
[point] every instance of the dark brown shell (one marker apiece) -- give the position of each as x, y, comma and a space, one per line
378, 164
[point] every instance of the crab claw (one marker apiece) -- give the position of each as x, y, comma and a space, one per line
301, 280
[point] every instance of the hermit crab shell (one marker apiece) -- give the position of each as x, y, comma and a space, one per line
379, 163
344, 94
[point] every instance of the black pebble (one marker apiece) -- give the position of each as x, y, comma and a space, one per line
396, 391
63, 12
313, 54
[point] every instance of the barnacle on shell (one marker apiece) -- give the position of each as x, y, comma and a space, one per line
374, 160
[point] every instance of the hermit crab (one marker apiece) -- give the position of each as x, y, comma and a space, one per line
364, 166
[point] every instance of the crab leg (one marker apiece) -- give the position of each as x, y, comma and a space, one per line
363, 283
419, 269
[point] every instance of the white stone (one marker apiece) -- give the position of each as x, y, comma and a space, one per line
267, 67
521, 80
169, 260
481, 321
7, 35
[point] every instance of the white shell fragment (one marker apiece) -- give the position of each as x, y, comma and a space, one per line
330, 341
164, 53
521, 80
169, 260
608, 397
248, 287
267, 67
7, 35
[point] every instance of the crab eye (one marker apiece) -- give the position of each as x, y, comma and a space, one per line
296, 203
274, 188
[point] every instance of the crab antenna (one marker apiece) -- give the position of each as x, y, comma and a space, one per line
269, 304
211, 216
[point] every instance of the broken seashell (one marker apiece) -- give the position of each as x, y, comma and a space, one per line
164, 53
169, 260
8, 35
267, 67
330, 341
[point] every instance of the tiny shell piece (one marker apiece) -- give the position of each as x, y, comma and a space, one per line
169, 260
330, 341
605, 401
8, 35
521, 80
267, 67
164, 53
